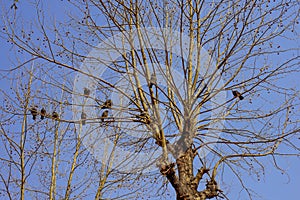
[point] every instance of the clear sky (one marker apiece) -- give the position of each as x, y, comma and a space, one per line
273, 186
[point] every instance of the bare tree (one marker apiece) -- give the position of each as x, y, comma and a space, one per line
191, 88
43, 158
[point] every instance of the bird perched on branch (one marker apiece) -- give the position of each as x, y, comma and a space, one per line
86, 92
143, 117
237, 94
152, 80
104, 115
107, 104
159, 142
83, 118
43, 113
33, 111
55, 115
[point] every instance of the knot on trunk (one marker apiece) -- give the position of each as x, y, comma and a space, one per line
167, 170
212, 189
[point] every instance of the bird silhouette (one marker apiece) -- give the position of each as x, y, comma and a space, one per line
143, 117
34, 112
104, 115
55, 115
43, 113
237, 94
107, 104
152, 80
83, 118
86, 92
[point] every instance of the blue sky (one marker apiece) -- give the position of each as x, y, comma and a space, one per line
273, 186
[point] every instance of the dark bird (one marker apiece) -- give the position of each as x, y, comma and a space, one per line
152, 80
83, 118
143, 117
160, 143
107, 104
104, 115
237, 94
43, 113
55, 115
86, 92
34, 112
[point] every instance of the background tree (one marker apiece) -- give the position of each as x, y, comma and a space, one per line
45, 159
203, 132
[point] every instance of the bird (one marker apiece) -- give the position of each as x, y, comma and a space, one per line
160, 143
107, 104
34, 112
43, 113
152, 80
143, 117
55, 115
104, 115
237, 94
83, 118
86, 92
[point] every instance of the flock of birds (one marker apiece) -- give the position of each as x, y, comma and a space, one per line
106, 105
43, 113
34, 112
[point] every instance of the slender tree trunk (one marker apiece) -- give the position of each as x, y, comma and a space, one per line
53, 166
